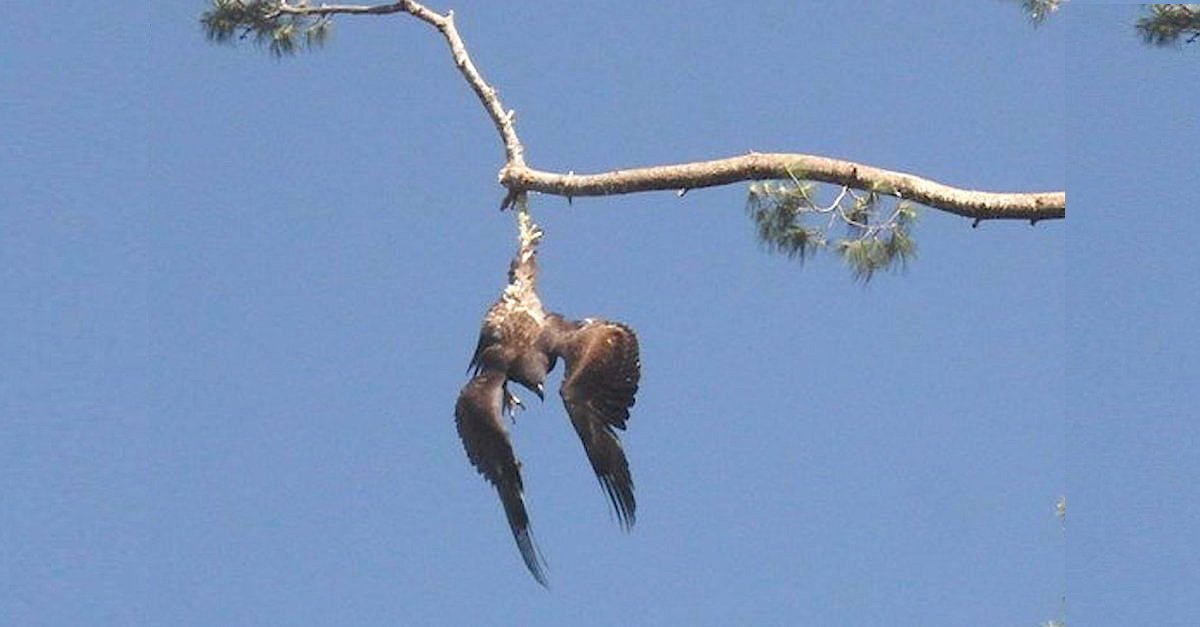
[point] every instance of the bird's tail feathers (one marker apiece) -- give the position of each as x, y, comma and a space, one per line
518, 520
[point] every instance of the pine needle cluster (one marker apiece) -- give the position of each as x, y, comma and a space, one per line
1039, 10
1166, 24
231, 21
877, 236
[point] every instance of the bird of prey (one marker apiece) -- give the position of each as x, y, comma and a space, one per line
520, 342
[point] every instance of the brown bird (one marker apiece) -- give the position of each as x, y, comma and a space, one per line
519, 342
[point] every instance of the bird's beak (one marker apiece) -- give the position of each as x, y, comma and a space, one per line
541, 392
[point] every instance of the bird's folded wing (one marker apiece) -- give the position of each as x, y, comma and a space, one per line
603, 371
477, 416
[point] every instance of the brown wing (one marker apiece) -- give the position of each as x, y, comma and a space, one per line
477, 416
598, 389
487, 337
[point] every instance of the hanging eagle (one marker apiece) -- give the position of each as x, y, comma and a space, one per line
520, 342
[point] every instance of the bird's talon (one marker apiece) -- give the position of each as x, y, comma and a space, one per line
511, 405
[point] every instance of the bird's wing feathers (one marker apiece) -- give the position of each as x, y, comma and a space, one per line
477, 357
598, 389
477, 416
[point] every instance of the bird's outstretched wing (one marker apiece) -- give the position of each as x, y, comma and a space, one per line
477, 416
598, 389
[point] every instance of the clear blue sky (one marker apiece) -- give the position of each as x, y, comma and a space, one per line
1132, 345
239, 296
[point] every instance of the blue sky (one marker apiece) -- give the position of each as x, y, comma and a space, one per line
1132, 351
240, 295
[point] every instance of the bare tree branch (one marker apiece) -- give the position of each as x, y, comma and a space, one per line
519, 178
354, 9
514, 152
759, 166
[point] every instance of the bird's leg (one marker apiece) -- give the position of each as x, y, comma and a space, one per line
511, 405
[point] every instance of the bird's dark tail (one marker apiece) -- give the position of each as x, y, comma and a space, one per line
518, 520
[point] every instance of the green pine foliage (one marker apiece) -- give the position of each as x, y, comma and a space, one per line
1039, 10
231, 21
777, 210
789, 219
1167, 24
